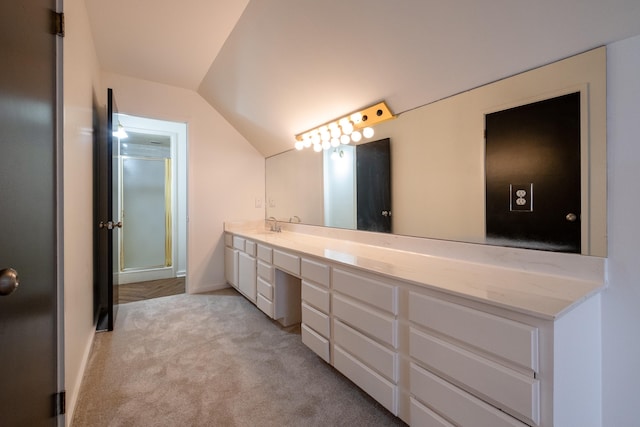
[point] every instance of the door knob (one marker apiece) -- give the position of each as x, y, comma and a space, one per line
8, 281
110, 225
571, 217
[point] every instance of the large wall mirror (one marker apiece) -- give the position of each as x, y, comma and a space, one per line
439, 162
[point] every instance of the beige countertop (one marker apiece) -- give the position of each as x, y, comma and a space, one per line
540, 294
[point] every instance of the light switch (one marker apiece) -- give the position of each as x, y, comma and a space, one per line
521, 197
258, 202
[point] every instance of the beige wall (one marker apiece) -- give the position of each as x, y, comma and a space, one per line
225, 173
295, 186
81, 76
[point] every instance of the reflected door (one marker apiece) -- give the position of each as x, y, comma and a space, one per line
533, 175
373, 183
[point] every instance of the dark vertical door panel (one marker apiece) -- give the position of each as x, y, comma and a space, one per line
28, 213
373, 183
106, 182
533, 175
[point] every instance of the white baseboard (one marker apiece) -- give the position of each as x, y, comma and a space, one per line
207, 288
72, 400
125, 277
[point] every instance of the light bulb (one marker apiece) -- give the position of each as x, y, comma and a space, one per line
317, 148
347, 128
326, 145
335, 142
315, 138
356, 117
335, 132
299, 145
345, 139
356, 136
307, 142
367, 132
325, 136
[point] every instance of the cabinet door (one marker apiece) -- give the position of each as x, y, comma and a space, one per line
231, 266
247, 275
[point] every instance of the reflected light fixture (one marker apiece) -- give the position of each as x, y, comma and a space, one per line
120, 133
343, 130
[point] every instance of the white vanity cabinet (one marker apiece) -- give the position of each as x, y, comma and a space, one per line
365, 333
247, 269
431, 355
277, 293
316, 324
472, 367
230, 261
265, 285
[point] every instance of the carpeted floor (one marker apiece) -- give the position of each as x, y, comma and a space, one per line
213, 360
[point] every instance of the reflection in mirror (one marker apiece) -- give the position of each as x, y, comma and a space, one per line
438, 168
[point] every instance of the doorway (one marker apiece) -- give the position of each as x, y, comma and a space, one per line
151, 253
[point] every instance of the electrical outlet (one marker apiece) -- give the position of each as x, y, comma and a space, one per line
258, 202
272, 203
521, 197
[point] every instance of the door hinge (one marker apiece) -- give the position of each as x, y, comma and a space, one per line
58, 23
60, 402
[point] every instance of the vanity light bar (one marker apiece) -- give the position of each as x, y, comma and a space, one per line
345, 129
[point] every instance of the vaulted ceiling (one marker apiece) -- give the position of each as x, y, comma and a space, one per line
279, 67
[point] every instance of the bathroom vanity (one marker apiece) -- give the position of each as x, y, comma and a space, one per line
439, 333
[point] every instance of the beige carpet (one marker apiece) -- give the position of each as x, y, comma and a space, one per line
213, 360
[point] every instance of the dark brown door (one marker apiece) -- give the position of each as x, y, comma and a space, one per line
28, 214
373, 183
533, 175
106, 215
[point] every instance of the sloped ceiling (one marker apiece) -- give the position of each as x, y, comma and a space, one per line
289, 65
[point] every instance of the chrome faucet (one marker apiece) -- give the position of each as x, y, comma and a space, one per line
274, 225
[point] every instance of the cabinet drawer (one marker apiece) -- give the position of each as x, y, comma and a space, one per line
380, 358
316, 272
250, 247
265, 305
265, 289
265, 253
286, 262
457, 405
265, 271
238, 243
509, 390
228, 239
510, 340
378, 294
317, 343
364, 377
316, 320
420, 415
376, 324
315, 296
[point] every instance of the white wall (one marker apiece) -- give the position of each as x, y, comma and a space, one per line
621, 301
81, 79
225, 173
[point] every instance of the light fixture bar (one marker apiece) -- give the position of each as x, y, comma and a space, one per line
359, 119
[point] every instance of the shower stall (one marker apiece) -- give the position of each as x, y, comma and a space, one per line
152, 200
